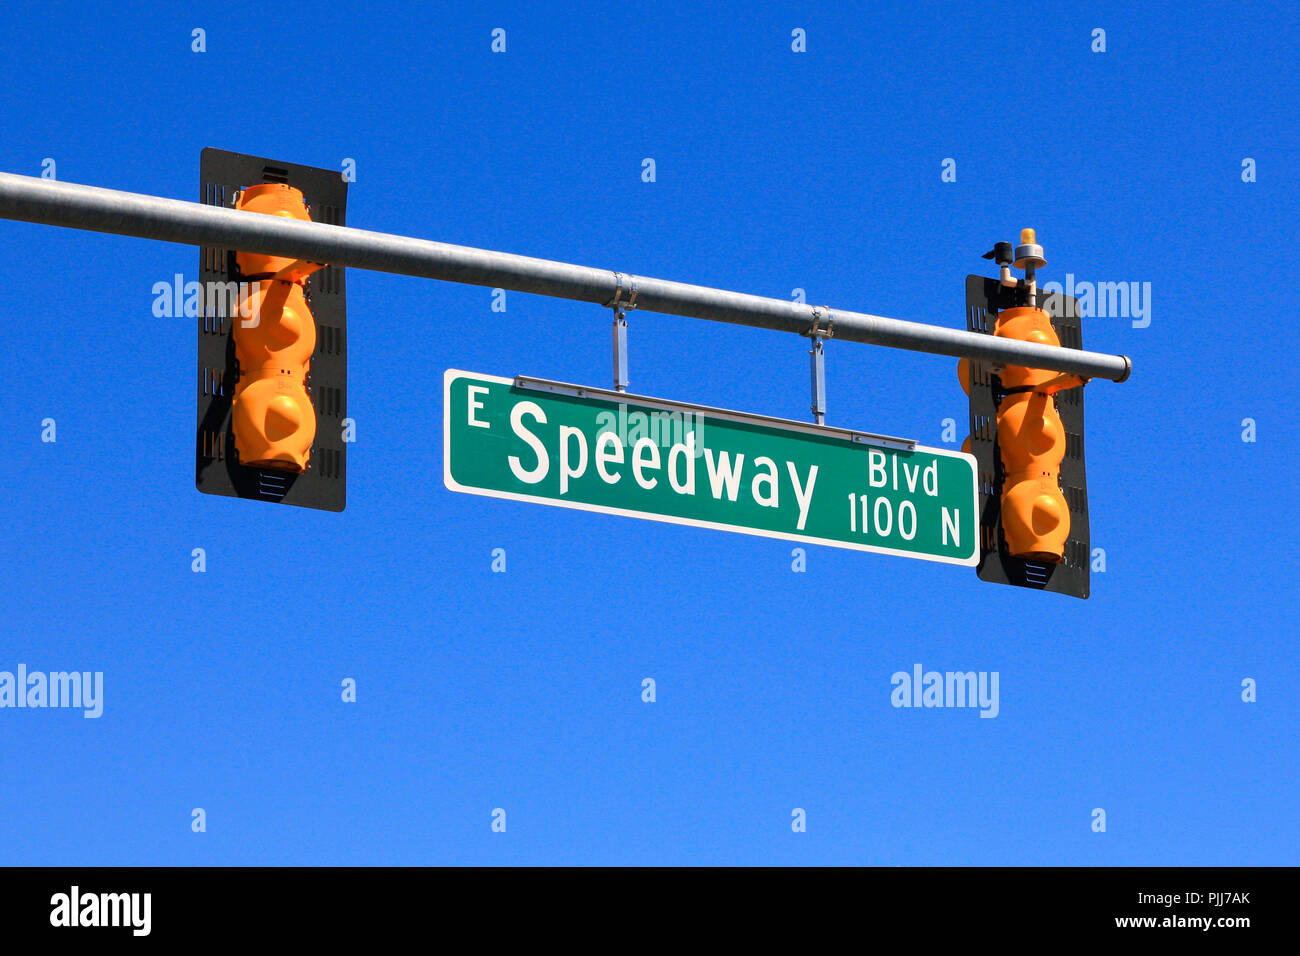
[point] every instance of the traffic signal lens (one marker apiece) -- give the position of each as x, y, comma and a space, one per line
274, 422
273, 199
1035, 520
275, 327
1028, 325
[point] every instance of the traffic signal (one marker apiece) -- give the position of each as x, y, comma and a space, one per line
1027, 433
272, 345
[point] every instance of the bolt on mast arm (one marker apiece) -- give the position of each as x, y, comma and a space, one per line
54, 203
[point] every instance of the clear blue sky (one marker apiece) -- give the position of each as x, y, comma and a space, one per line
775, 170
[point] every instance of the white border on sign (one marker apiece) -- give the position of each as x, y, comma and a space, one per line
451, 484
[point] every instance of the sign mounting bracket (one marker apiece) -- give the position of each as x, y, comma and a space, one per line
621, 307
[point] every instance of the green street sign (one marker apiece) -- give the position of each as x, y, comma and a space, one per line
596, 450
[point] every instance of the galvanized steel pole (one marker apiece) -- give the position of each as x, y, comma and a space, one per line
53, 203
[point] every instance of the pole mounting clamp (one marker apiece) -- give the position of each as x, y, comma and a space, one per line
623, 284
819, 313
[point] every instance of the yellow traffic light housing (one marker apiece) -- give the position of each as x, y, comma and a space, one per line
275, 335
1031, 439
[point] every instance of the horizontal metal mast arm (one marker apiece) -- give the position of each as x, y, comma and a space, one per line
75, 206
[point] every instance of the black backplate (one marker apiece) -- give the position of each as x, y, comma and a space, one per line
984, 299
217, 470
